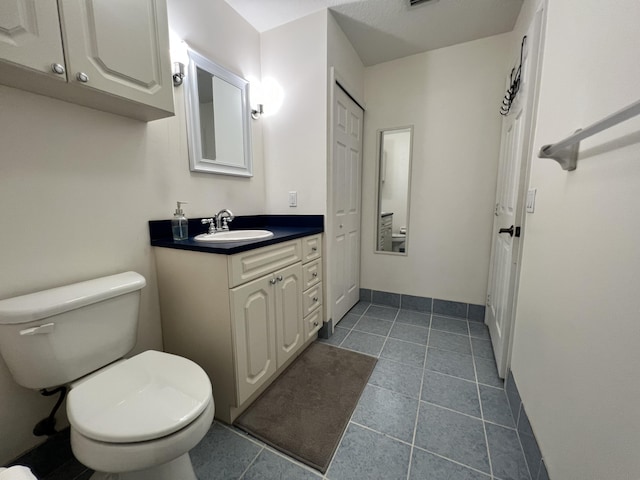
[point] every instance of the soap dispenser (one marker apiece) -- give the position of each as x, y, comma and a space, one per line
180, 224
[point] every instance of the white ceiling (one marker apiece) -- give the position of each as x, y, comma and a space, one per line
383, 30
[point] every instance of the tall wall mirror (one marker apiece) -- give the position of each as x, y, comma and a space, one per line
394, 182
218, 126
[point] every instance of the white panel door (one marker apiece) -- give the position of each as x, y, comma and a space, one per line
122, 46
514, 160
345, 212
30, 34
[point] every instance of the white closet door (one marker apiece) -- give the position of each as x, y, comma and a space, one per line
346, 196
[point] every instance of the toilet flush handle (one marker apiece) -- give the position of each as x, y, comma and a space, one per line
46, 328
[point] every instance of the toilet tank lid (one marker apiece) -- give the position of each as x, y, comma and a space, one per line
38, 305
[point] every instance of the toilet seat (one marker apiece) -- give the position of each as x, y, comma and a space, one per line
146, 397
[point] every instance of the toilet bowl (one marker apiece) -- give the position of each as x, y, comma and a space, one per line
131, 419
140, 415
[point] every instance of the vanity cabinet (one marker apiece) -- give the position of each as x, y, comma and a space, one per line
112, 55
242, 317
312, 281
266, 320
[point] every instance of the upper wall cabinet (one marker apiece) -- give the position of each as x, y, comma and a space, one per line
112, 55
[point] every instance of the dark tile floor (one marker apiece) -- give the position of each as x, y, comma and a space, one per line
434, 408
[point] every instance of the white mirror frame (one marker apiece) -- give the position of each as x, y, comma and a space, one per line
197, 162
380, 174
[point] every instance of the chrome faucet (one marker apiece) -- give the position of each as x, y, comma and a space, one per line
223, 217
212, 224
220, 222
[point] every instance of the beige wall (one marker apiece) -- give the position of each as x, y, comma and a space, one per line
345, 60
295, 56
451, 96
575, 353
78, 187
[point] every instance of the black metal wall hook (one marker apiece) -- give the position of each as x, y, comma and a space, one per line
514, 83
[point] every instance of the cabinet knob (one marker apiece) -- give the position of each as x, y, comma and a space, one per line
315, 324
273, 281
279, 278
314, 249
314, 274
315, 299
57, 68
82, 77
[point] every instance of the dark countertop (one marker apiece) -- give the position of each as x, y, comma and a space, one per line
284, 227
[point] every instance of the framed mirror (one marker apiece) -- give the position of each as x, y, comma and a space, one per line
393, 189
218, 126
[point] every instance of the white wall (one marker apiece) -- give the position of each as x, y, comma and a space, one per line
452, 97
345, 60
78, 187
295, 56
575, 355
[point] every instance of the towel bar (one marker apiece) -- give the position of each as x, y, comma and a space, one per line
565, 152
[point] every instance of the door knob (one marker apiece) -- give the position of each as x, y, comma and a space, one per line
511, 231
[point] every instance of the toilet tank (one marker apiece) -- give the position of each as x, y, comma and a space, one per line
52, 337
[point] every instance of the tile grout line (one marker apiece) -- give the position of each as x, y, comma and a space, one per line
517, 421
454, 461
484, 427
250, 464
325, 475
273, 450
415, 425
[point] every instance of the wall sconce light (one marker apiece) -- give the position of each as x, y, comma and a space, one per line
256, 112
178, 74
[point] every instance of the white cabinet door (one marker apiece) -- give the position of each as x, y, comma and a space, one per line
253, 326
289, 325
119, 47
30, 34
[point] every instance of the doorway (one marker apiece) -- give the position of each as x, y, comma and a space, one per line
343, 222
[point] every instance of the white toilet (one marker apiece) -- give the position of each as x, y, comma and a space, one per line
131, 419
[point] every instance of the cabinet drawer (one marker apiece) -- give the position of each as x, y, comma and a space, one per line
312, 299
311, 248
253, 264
311, 273
312, 323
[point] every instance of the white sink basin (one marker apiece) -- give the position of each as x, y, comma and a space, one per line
233, 236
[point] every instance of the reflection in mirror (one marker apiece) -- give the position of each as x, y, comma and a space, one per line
394, 175
217, 119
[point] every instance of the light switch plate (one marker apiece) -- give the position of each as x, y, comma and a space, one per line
293, 199
531, 200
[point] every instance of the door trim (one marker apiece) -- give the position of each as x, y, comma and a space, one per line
336, 80
538, 22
